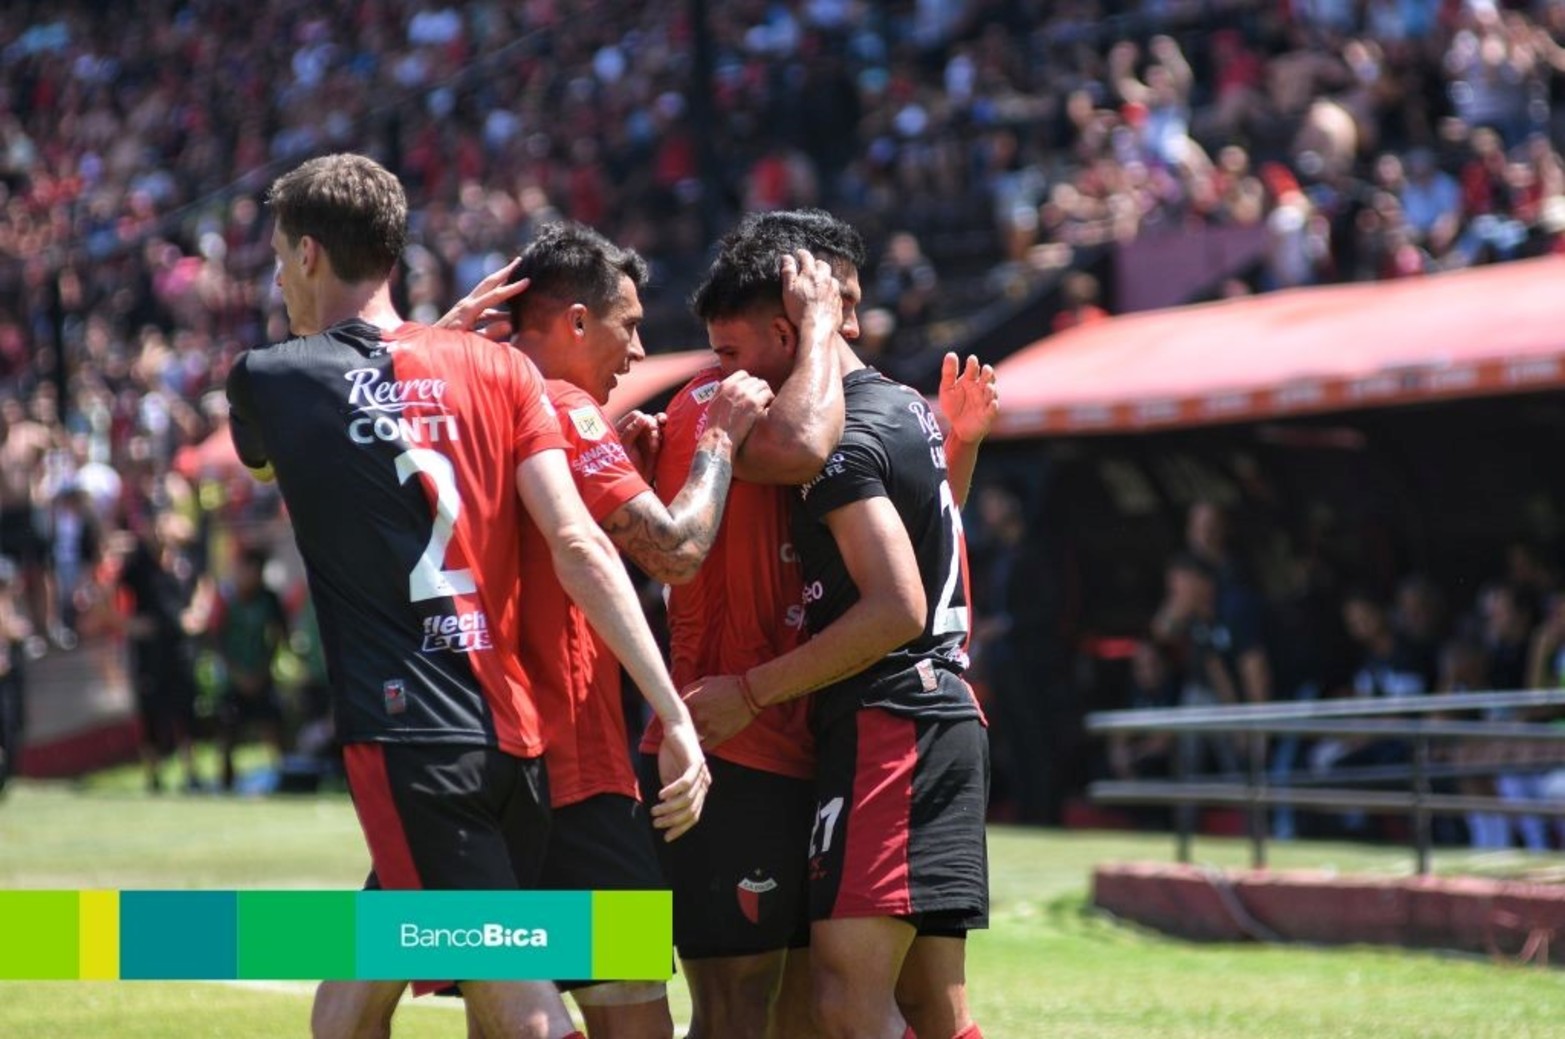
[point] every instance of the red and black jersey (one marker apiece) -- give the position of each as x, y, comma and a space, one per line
579, 692
396, 454
742, 608
891, 447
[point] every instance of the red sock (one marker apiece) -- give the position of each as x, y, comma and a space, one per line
970, 1032
910, 1034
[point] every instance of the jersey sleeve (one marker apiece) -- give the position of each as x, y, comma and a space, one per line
686, 423
241, 417
602, 468
537, 425
856, 470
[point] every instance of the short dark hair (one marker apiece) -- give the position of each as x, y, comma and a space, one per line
745, 274
571, 263
352, 205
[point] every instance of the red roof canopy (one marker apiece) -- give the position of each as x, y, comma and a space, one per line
1488, 330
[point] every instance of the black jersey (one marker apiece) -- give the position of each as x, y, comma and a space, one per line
892, 448
396, 454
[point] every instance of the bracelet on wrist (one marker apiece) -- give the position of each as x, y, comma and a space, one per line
749, 695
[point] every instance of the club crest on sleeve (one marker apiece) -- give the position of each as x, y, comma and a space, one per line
589, 423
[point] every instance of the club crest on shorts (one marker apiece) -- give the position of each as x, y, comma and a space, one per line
749, 892
395, 692
588, 423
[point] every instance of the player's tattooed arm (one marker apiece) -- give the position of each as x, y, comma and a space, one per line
669, 543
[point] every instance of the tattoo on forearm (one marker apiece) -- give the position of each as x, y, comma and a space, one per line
670, 543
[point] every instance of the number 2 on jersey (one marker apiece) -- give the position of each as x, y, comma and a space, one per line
427, 580
948, 618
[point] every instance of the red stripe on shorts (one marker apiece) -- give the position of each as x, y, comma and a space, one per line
378, 817
875, 861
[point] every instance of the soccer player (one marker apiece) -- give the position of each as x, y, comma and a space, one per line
898, 871
577, 321
402, 453
738, 878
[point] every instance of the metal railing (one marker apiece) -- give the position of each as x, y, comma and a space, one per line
1256, 790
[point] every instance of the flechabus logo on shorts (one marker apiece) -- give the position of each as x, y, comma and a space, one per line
487, 936
457, 632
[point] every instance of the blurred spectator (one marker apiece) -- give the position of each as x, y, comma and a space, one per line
75, 542
1078, 302
1202, 651
1418, 615
170, 602
14, 632
1153, 684
247, 627
1386, 668
905, 280
1011, 656
1239, 608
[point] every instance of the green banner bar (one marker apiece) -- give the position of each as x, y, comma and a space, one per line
336, 935
632, 935
39, 935
297, 935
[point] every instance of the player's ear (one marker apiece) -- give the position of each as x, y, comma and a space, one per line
784, 334
576, 318
308, 253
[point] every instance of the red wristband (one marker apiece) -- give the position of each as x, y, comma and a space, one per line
749, 695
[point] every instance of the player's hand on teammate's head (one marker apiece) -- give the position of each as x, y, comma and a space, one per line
686, 779
810, 286
969, 398
484, 309
740, 401
642, 437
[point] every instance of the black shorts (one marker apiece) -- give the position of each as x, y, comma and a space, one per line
900, 821
19, 537
165, 690
738, 875
449, 817
603, 843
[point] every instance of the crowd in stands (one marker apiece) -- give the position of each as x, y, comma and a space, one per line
1218, 638
983, 146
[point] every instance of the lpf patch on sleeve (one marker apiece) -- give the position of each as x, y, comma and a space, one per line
395, 692
589, 423
704, 394
926, 676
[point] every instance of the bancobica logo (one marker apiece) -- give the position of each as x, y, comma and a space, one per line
409, 411
489, 936
457, 633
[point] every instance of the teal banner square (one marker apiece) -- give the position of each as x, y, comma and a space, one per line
179, 935
474, 935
